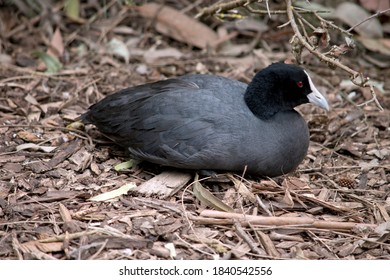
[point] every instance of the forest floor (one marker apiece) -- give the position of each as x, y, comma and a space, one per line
336, 205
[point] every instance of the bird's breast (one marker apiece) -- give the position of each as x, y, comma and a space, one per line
281, 144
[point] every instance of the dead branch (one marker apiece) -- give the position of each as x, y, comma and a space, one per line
247, 238
314, 51
282, 221
330, 58
222, 7
301, 40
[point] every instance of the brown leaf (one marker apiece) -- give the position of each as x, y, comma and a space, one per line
352, 14
65, 214
179, 26
152, 56
207, 198
293, 183
288, 198
35, 245
375, 5
268, 244
56, 45
28, 136
243, 190
35, 147
376, 45
49, 247
355, 149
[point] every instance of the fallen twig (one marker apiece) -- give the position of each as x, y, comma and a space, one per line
222, 7
282, 221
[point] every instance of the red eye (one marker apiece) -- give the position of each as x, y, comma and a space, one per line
299, 84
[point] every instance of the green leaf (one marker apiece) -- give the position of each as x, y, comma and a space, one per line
72, 8
125, 165
53, 65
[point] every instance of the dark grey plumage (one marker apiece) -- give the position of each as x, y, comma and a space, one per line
204, 122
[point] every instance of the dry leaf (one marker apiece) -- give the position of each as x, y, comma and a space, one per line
64, 212
366, 166
28, 136
243, 190
35, 147
375, 5
151, 56
375, 45
35, 245
171, 248
50, 247
288, 198
30, 99
118, 48
56, 45
352, 14
207, 198
95, 168
246, 24
114, 194
268, 245
240, 250
179, 26
293, 183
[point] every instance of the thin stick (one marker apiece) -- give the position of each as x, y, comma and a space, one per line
75, 131
248, 239
283, 221
221, 7
312, 50
367, 19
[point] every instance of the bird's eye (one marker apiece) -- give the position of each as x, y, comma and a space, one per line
300, 84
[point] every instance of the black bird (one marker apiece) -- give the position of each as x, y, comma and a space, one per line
207, 122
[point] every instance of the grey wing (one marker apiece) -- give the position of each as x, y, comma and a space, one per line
176, 135
120, 114
155, 121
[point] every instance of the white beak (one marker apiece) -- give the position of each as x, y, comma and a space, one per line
315, 97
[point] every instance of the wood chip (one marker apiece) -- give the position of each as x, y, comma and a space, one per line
164, 185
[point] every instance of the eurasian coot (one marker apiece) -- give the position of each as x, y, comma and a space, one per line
208, 122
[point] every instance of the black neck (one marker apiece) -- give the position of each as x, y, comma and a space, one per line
261, 96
